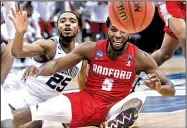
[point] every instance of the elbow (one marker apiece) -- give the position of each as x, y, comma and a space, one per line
173, 93
16, 54
170, 90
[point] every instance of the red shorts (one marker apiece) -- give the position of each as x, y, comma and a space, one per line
99, 27
169, 9
86, 110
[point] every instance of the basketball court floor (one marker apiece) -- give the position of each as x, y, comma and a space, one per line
158, 111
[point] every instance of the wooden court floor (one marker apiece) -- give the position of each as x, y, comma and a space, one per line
161, 120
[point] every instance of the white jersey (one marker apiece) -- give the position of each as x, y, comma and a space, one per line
45, 87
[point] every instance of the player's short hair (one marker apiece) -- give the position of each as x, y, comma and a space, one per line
78, 18
28, 5
108, 22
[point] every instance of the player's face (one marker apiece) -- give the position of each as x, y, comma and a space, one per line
117, 38
68, 25
29, 11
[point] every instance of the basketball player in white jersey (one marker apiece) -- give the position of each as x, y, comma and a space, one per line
36, 90
6, 64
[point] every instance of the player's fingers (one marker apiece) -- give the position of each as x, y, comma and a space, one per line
21, 9
25, 75
37, 72
28, 72
17, 9
25, 15
31, 71
147, 83
152, 76
154, 80
158, 86
11, 19
13, 12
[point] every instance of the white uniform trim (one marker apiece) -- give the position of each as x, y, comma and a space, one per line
164, 12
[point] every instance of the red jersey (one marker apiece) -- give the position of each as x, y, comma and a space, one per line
109, 81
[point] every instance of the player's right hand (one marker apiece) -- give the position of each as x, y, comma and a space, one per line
19, 19
31, 71
153, 82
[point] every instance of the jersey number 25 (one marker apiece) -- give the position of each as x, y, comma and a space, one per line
57, 78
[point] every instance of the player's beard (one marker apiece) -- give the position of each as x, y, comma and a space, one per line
66, 39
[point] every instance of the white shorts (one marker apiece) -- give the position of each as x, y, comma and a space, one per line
5, 109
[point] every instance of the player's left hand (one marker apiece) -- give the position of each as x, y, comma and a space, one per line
154, 82
31, 71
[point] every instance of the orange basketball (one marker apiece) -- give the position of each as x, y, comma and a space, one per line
131, 16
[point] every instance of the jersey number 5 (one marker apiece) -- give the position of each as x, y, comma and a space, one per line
58, 79
107, 84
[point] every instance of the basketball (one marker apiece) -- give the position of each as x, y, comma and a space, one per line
131, 16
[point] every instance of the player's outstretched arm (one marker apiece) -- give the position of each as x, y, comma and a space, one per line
63, 63
82, 52
20, 50
158, 80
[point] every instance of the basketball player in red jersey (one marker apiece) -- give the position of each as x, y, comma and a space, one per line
173, 13
107, 97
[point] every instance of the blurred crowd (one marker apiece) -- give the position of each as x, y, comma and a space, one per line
43, 16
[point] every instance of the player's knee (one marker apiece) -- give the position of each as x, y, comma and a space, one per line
136, 103
182, 38
166, 55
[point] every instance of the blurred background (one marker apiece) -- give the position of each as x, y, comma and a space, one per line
43, 17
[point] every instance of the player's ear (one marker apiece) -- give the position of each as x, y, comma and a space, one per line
79, 29
57, 30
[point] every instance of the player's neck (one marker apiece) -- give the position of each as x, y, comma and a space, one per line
67, 46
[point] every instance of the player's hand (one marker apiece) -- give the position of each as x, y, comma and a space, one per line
154, 82
31, 71
19, 19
